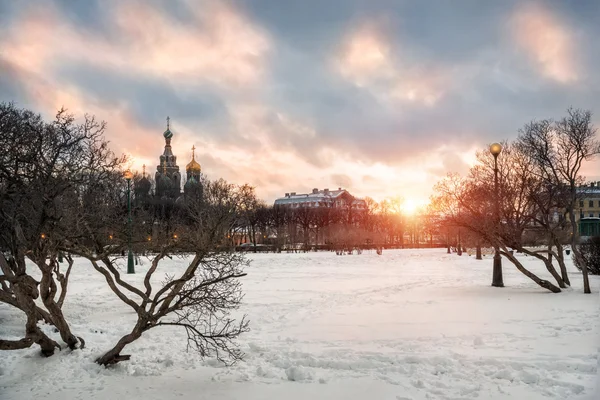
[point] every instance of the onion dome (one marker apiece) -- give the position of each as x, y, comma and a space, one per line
168, 134
193, 166
143, 185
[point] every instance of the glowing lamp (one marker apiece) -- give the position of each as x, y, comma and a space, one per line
495, 149
128, 175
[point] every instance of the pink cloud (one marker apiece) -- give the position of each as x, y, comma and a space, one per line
547, 40
220, 46
368, 60
365, 56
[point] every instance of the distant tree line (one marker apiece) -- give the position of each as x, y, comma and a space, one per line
301, 228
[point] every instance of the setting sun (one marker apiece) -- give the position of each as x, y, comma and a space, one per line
411, 206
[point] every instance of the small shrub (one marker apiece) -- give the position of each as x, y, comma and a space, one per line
590, 250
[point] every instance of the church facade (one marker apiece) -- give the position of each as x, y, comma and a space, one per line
167, 178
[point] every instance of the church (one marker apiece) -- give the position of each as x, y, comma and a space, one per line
167, 179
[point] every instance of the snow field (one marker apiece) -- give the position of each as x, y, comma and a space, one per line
409, 324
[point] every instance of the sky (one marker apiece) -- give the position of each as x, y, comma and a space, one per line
379, 97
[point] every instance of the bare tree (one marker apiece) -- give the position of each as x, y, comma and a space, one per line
559, 150
201, 297
41, 166
466, 203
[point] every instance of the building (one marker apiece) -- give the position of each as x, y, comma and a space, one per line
167, 178
589, 201
339, 198
588, 210
311, 222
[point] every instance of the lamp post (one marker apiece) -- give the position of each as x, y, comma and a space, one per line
497, 281
130, 268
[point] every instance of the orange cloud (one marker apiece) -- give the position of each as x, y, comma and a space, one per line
548, 41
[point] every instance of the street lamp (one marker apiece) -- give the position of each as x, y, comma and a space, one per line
497, 281
130, 268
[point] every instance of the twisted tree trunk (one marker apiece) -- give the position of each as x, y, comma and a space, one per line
48, 290
25, 289
114, 355
543, 283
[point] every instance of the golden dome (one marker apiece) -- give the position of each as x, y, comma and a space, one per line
193, 165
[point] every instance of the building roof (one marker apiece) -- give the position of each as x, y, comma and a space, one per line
324, 195
592, 190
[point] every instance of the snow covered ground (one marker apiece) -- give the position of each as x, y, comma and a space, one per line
409, 324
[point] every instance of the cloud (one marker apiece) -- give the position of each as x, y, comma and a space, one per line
218, 45
384, 97
365, 57
342, 180
547, 40
370, 61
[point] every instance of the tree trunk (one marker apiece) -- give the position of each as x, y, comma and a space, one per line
113, 356
575, 249
64, 282
554, 273
48, 290
41, 314
478, 252
543, 283
16, 344
561, 263
253, 238
25, 289
548, 264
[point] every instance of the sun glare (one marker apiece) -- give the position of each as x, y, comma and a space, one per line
410, 206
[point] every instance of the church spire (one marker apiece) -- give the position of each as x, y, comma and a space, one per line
168, 134
168, 178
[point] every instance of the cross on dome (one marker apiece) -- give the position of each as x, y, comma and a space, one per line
168, 134
193, 166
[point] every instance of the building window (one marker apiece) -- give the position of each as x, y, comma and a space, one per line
580, 203
591, 215
581, 215
591, 203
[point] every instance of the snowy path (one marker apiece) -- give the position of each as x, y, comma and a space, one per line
410, 324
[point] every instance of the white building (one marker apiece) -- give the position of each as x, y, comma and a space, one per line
339, 198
